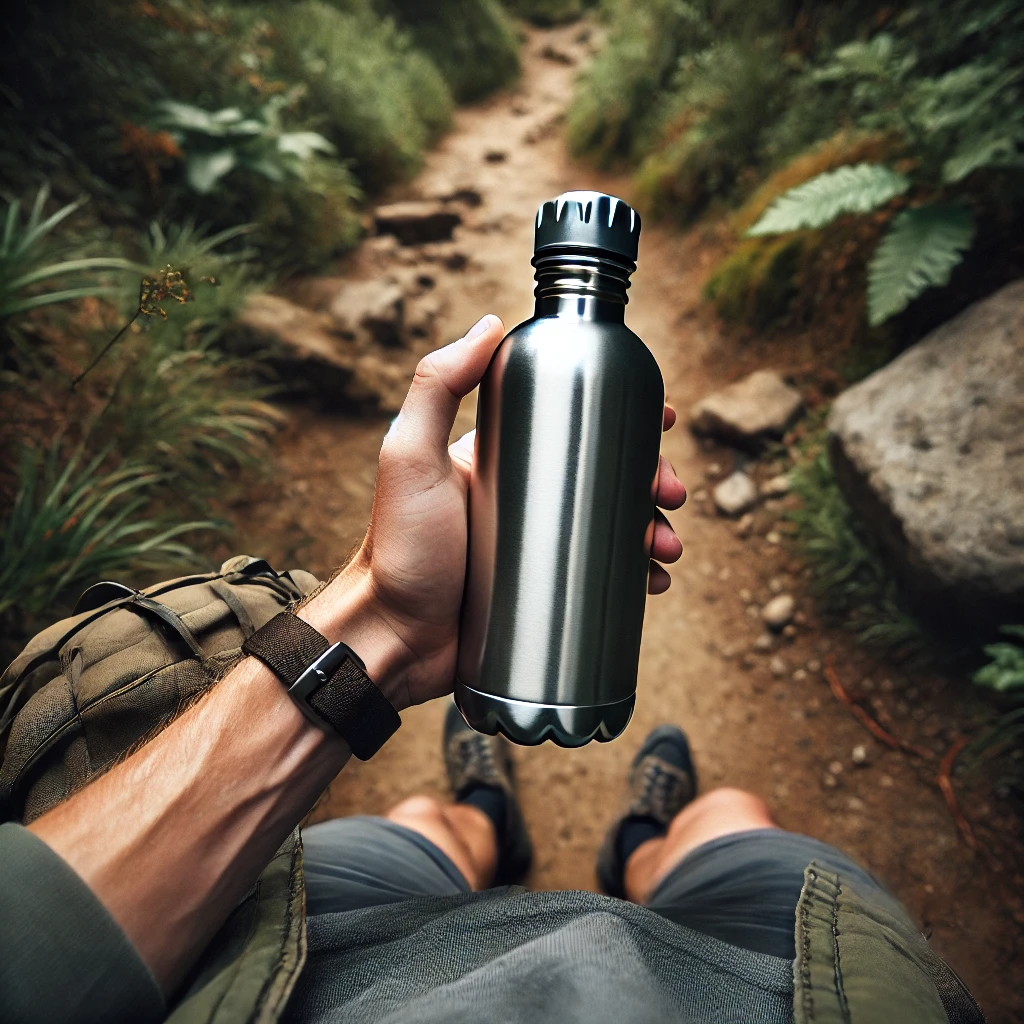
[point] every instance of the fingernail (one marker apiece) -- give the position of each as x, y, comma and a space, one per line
478, 328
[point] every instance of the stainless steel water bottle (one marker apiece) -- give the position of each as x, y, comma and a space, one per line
561, 500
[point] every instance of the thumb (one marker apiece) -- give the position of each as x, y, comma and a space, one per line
443, 378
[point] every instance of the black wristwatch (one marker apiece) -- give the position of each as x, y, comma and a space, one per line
327, 681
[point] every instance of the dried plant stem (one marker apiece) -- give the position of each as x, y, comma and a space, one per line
875, 728
945, 783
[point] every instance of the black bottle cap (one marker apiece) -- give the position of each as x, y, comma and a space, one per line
590, 219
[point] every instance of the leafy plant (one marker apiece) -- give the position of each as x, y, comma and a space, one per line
821, 200
71, 524
218, 143
1004, 675
1005, 671
25, 262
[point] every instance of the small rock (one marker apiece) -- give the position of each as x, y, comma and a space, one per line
376, 306
836, 767
761, 405
859, 755
745, 526
830, 781
700, 495
773, 537
777, 666
778, 612
775, 585
799, 675
886, 686
557, 56
713, 471
855, 804
753, 612
416, 221
885, 781
776, 487
814, 665
745, 595
764, 642
735, 494
789, 632
800, 619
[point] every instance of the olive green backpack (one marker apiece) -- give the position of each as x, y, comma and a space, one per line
87, 691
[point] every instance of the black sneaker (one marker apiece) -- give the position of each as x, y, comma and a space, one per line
475, 760
662, 782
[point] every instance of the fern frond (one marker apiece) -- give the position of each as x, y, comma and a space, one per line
920, 250
819, 201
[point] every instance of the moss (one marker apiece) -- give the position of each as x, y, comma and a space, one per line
755, 284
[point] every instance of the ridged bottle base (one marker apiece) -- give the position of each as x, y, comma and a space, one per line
528, 724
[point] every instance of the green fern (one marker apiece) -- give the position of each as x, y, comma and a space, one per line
1005, 672
819, 201
920, 250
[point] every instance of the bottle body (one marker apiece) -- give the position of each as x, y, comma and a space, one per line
561, 509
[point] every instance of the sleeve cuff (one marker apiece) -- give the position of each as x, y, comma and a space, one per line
62, 956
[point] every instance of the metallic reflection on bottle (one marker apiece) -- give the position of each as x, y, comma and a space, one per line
567, 444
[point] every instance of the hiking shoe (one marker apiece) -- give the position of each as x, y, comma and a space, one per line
662, 781
480, 773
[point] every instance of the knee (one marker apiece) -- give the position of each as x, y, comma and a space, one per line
417, 808
729, 807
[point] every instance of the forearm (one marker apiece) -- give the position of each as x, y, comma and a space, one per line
173, 837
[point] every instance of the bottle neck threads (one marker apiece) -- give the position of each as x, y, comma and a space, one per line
585, 283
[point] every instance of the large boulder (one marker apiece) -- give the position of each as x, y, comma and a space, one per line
749, 412
930, 452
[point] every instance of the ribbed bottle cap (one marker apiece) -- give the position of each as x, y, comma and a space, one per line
590, 219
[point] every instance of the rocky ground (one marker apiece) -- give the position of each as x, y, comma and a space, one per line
735, 652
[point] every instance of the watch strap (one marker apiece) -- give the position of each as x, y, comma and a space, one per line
339, 695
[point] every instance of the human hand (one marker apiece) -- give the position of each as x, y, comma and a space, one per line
402, 592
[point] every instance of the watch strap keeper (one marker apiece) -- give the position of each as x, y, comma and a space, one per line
348, 700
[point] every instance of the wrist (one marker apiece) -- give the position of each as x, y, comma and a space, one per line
347, 610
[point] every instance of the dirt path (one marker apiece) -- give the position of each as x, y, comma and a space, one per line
779, 734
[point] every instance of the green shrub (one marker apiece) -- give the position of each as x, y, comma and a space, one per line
378, 100
620, 97
472, 42
548, 12
722, 100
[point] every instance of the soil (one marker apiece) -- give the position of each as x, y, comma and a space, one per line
765, 721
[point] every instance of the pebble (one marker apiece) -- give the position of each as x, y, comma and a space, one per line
735, 494
830, 781
776, 487
800, 619
775, 585
713, 470
773, 537
778, 612
855, 804
746, 596
753, 611
777, 666
859, 755
700, 495
885, 782
789, 631
764, 642
836, 767
745, 526
799, 675
814, 665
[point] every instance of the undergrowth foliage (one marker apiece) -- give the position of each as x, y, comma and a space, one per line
708, 98
850, 574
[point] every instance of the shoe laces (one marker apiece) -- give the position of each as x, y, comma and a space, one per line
661, 790
474, 760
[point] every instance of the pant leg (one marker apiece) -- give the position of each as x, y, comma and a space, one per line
743, 888
354, 863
